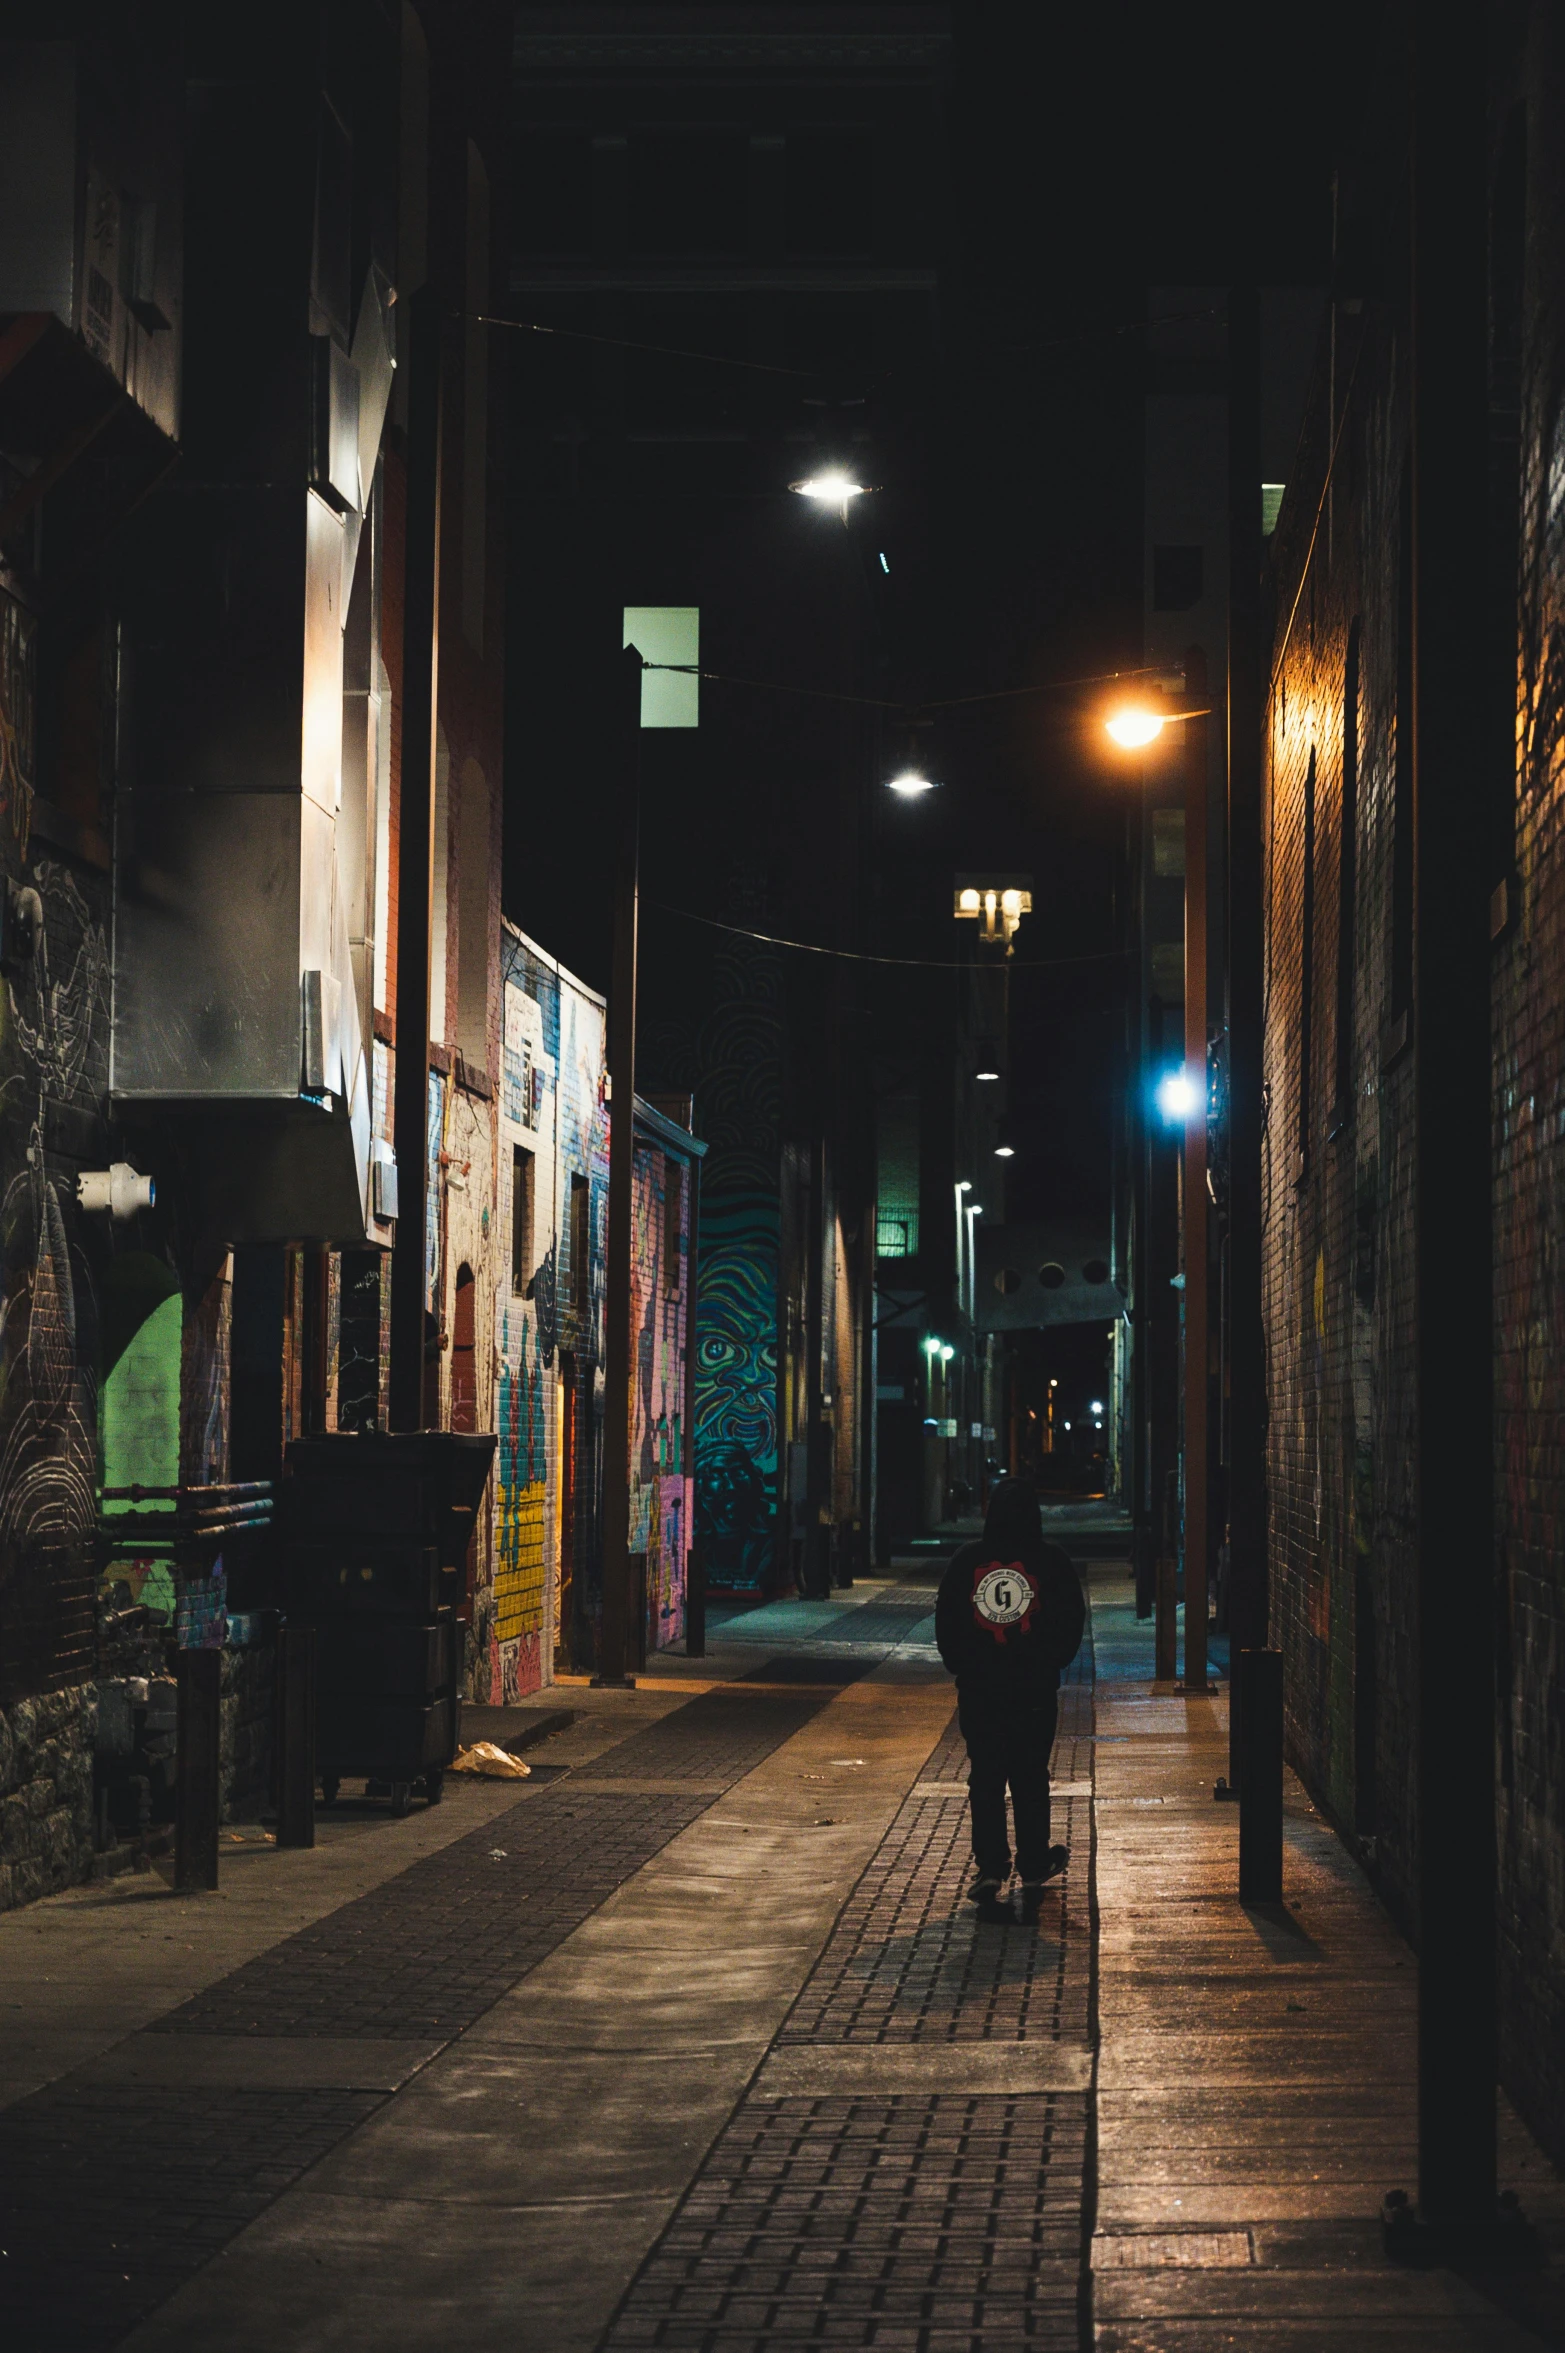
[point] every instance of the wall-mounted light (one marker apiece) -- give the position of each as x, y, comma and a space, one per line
117, 1190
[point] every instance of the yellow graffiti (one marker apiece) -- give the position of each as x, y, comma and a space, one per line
518, 1585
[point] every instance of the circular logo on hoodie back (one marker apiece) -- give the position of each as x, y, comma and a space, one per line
1002, 1596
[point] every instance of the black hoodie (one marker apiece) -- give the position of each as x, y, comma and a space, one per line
1010, 1611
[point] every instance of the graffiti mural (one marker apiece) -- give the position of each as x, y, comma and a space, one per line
553, 1165
55, 1051
660, 1482
739, 1099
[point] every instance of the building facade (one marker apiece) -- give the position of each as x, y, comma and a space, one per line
1340, 1201
727, 228
205, 584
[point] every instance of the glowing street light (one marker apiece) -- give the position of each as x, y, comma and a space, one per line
834, 488
1177, 1096
1133, 727
986, 1077
1005, 1151
910, 783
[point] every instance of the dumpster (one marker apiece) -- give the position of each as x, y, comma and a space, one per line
375, 1534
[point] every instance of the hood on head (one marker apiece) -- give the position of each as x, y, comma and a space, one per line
1013, 1524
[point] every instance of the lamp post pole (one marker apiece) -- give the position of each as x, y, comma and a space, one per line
1196, 1222
614, 1647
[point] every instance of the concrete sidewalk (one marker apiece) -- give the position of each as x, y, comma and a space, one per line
691, 2042
1256, 2071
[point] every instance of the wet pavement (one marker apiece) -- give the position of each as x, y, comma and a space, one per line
691, 2042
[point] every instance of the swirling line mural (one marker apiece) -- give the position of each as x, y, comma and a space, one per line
739, 1112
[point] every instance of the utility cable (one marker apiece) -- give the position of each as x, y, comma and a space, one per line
858, 956
715, 359
912, 710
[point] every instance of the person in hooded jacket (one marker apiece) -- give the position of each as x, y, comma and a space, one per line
1009, 1616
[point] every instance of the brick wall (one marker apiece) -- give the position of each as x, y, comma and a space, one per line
1338, 1202
1529, 1226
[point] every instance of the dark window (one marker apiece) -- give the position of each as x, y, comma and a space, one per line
1307, 969
673, 1226
552, 191
581, 1245
464, 1353
830, 199
1347, 880
689, 192
521, 1217
1178, 578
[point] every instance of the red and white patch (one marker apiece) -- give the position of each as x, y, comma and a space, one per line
1004, 1596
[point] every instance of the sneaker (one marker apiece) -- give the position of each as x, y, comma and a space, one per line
1032, 1889
985, 1890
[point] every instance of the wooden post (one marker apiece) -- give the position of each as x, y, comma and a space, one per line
197, 1769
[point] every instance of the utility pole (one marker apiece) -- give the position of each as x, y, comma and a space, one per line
1196, 1221
619, 1341
415, 856
1255, 1779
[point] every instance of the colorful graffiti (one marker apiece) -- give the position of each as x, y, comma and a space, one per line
736, 1392
553, 1129
55, 1045
739, 1112
660, 1485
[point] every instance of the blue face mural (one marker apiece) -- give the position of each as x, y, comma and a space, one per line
736, 1387
738, 1083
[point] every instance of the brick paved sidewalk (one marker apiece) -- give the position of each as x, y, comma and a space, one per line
1257, 2069
923, 2211
113, 2193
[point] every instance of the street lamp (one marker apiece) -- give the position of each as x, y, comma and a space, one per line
910, 783
1177, 1096
1135, 725
833, 488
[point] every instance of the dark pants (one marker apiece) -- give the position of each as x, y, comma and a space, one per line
1008, 1743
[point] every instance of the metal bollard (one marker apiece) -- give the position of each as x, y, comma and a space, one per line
197, 1769
1166, 1637
1260, 1777
296, 1736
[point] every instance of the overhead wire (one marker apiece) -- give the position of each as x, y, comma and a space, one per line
861, 956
